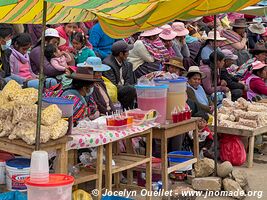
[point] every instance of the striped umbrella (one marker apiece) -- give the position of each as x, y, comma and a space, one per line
118, 18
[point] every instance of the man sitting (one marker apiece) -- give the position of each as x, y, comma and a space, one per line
121, 73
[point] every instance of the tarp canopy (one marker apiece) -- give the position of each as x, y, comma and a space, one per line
119, 18
255, 10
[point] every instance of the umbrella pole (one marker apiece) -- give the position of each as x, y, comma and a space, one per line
41, 81
215, 96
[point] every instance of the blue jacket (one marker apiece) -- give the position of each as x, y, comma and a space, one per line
101, 42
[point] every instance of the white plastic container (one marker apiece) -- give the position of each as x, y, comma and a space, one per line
2, 172
59, 187
175, 85
4, 156
39, 170
153, 97
17, 170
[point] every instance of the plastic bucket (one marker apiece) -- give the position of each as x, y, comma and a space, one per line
175, 85
65, 105
58, 187
153, 97
174, 161
4, 156
17, 170
175, 99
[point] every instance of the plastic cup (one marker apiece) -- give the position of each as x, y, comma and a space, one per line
180, 117
174, 118
188, 114
184, 115
130, 120
39, 170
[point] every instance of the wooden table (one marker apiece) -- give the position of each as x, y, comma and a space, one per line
86, 174
19, 147
164, 132
245, 133
128, 161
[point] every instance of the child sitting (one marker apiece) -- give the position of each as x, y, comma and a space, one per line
205, 135
79, 43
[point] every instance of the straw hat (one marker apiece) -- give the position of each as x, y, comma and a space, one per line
167, 34
218, 36
195, 69
180, 29
258, 65
151, 32
176, 62
257, 28
239, 23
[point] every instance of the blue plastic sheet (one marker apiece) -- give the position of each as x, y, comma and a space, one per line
13, 196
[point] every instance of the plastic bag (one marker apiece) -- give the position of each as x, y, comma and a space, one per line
111, 89
13, 196
232, 150
81, 195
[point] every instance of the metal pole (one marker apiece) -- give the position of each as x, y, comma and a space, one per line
41, 81
215, 96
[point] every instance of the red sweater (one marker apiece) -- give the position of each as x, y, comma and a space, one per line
258, 86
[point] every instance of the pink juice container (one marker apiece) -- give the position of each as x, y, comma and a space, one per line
153, 97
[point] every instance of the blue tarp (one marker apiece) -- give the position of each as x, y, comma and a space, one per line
13, 196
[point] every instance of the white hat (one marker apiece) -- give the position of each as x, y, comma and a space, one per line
218, 36
51, 32
195, 69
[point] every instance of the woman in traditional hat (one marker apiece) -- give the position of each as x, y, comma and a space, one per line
175, 65
255, 32
81, 93
257, 88
195, 91
236, 40
148, 53
167, 36
209, 46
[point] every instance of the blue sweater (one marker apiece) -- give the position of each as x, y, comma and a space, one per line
101, 42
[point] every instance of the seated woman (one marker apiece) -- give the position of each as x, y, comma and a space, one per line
257, 88
195, 91
148, 53
66, 32
81, 92
20, 62
51, 37
175, 65
208, 70
167, 36
100, 94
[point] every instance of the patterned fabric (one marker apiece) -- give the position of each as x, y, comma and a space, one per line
232, 37
157, 49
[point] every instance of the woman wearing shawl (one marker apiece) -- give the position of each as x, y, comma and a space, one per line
236, 40
148, 53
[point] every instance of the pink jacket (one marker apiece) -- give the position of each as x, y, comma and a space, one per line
61, 63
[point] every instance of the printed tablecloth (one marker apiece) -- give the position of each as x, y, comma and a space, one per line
85, 138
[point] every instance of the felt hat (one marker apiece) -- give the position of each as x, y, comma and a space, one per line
176, 62
218, 36
151, 32
259, 48
195, 69
121, 46
167, 34
239, 23
51, 32
258, 65
84, 72
166, 26
229, 54
257, 28
180, 29
97, 64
